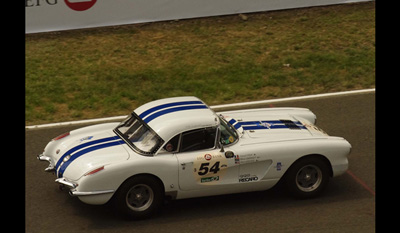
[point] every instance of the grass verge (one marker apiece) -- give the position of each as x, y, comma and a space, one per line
110, 71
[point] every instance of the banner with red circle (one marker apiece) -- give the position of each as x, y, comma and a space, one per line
56, 15
80, 5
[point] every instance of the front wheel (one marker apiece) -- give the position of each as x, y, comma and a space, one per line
139, 197
307, 178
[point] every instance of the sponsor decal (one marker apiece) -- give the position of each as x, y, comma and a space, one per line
248, 158
209, 179
247, 178
209, 167
208, 157
278, 166
237, 159
80, 5
85, 138
31, 3
76, 5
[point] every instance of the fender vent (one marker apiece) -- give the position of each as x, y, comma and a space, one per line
290, 124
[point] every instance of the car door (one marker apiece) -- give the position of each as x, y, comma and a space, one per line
201, 164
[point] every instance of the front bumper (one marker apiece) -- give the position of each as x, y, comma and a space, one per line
77, 193
67, 183
90, 197
51, 167
73, 192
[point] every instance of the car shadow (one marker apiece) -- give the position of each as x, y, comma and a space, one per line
105, 217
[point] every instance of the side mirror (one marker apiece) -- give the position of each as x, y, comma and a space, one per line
221, 146
229, 154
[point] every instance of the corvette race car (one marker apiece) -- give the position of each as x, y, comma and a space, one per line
180, 148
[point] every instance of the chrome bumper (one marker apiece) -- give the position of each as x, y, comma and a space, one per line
50, 168
67, 183
73, 192
77, 193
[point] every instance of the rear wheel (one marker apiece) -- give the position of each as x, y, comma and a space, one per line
307, 177
139, 197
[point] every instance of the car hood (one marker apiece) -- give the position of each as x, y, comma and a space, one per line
274, 126
86, 149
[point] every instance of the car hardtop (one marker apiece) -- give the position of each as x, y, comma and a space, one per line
171, 116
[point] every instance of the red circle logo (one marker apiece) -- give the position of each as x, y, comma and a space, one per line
208, 157
80, 5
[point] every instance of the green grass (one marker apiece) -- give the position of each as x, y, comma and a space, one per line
110, 71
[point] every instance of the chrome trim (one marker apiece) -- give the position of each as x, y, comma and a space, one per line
77, 193
42, 157
67, 183
50, 168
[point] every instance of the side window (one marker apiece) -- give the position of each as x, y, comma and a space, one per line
198, 139
172, 145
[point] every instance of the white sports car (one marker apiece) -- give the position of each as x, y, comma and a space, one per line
180, 148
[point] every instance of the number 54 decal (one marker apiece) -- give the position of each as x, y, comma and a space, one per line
204, 168
210, 168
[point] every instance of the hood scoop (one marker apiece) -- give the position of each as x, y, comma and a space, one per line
290, 124
271, 124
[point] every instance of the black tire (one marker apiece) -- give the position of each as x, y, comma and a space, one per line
139, 197
307, 177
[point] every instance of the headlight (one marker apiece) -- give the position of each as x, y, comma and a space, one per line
66, 158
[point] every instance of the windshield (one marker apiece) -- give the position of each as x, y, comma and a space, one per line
228, 133
139, 135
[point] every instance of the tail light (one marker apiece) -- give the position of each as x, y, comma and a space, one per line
60, 136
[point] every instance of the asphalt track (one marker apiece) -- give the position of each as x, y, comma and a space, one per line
348, 205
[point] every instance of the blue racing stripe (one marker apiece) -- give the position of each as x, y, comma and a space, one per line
232, 121
277, 124
247, 123
255, 127
85, 151
72, 150
156, 108
170, 110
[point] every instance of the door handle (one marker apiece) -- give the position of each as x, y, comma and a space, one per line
184, 165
